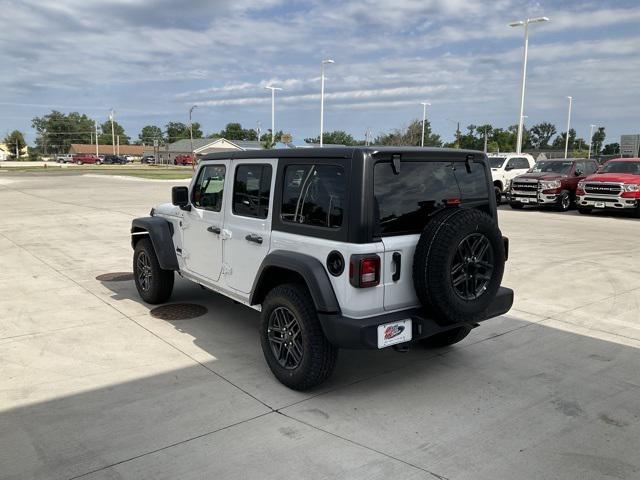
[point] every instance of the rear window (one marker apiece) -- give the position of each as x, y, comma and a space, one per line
404, 202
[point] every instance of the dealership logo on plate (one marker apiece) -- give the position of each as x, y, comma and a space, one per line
393, 331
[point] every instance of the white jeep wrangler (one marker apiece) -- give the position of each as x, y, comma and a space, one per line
505, 167
337, 247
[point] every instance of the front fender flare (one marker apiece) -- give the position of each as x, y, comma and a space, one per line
160, 232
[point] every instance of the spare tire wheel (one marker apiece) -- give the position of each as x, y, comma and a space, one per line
458, 265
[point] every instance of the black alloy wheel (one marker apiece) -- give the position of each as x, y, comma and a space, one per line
145, 273
472, 266
285, 338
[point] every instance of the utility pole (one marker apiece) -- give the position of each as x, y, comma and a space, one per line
590, 139
324, 62
273, 111
96, 125
566, 142
424, 119
113, 134
485, 140
191, 129
118, 145
258, 129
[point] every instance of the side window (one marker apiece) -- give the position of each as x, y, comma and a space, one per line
511, 164
314, 195
522, 164
209, 188
251, 190
580, 168
591, 167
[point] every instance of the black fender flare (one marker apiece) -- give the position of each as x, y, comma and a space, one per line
309, 268
160, 232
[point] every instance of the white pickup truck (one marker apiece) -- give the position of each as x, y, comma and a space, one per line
505, 167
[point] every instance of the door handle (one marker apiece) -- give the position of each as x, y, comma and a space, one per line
254, 238
215, 230
397, 261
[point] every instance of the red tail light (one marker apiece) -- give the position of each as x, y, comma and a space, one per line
364, 270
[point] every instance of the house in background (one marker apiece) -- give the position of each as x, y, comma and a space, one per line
123, 150
202, 146
6, 152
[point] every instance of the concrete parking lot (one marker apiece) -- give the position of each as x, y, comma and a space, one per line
92, 386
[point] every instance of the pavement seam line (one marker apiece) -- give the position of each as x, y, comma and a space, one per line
166, 342
353, 442
175, 444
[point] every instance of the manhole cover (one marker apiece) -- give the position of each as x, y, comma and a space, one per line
115, 277
178, 311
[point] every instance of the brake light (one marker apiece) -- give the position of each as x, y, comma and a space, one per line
364, 270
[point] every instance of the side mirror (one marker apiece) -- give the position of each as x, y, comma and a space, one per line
180, 197
578, 173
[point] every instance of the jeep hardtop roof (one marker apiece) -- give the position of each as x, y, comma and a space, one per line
341, 152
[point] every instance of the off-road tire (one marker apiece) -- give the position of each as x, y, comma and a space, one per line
564, 202
447, 338
318, 354
584, 211
440, 248
516, 206
160, 284
498, 194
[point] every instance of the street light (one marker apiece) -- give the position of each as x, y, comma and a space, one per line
566, 142
113, 135
273, 111
324, 62
191, 130
524, 23
424, 118
590, 139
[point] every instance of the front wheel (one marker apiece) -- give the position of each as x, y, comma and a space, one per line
98, 162
79, 162
294, 346
564, 202
498, 194
153, 283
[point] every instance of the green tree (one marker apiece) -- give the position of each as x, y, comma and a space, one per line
118, 130
15, 143
410, 136
56, 131
337, 137
559, 141
598, 140
234, 131
541, 134
266, 138
611, 149
149, 133
179, 131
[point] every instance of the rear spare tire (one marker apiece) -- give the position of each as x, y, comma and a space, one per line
458, 265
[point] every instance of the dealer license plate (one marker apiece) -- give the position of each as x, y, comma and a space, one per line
599, 205
524, 200
393, 333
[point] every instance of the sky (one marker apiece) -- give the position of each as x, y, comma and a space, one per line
152, 60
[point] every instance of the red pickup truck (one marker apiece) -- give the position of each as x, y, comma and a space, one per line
81, 158
184, 160
615, 186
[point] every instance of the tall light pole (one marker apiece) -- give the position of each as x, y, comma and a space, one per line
590, 139
424, 119
96, 125
113, 133
273, 111
324, 62
524, 23
191, 128
566, 141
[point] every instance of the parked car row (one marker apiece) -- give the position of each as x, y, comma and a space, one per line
82, 158
563, 183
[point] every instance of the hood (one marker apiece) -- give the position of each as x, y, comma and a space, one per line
614, 177
541, 176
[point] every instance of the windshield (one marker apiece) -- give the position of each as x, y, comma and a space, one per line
632, 168
496, 162
552, 167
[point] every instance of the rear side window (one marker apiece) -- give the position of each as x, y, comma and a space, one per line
404, 202
208, 190
314, 195
251, 190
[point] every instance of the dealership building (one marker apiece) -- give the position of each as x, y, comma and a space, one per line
630, 146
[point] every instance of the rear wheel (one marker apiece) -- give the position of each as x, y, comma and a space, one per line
498, 193
294, 346
447, 338
516, 206
153, 283
79, 162
458, 265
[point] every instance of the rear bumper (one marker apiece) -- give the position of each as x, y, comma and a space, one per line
362, 333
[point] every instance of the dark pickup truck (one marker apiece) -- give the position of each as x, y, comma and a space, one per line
550, 183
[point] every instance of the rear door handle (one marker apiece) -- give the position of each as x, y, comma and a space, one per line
397, 261
254, 238
215, 230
